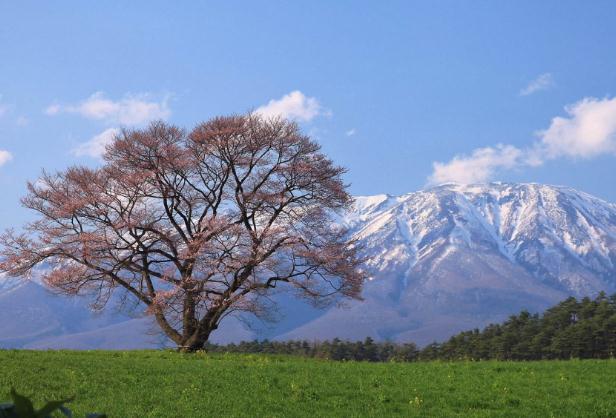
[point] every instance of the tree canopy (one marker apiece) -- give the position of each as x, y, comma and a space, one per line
193, 225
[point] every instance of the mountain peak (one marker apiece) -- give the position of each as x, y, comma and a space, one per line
554, 233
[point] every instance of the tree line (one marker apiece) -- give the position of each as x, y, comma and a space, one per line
573, 328
337, 349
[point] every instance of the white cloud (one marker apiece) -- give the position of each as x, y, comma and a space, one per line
295, 106
477, 167
543, 82
132, 109
5, 157
351, 132
53, 109
95, 147
588, 131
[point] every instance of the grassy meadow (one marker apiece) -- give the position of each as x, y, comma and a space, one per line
169, 384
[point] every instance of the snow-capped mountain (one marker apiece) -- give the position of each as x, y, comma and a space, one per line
441, 260
559, 236
456, 257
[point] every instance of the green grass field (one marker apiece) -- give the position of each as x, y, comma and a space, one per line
168, 384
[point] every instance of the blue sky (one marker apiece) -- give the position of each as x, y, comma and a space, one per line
404, 94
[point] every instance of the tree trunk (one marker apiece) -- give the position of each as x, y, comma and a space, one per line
202, 330
196, 341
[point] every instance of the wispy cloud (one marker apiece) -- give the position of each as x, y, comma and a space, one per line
4, 107
543, 82
95, 147
5, 157
295, 106
588, 130
477, 167
351, 132
130, 110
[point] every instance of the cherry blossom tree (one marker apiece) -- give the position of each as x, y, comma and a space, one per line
193, 225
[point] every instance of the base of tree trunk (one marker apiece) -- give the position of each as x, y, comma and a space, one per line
193, 345
184, 349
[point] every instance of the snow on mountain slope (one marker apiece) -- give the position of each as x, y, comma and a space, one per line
441, 260
558, 235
